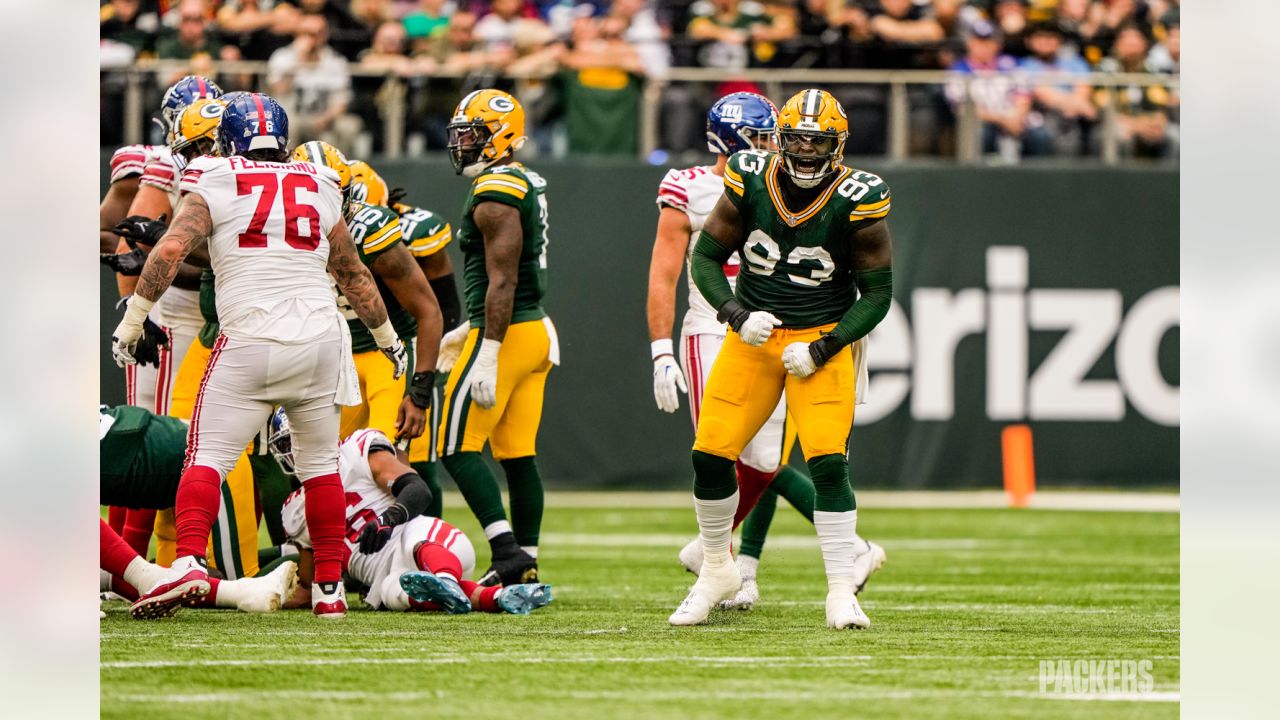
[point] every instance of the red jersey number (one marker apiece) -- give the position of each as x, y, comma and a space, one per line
295, 211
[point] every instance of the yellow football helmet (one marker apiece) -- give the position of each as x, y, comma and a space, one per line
812, 129
194, 131
487, 127
317, 152
367, 186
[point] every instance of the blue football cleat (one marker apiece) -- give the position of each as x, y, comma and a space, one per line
439, 589
525, 598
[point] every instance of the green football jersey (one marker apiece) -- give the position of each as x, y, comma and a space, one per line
797, 264
525, 190
375, 230
208, 309
140, 455
425, 232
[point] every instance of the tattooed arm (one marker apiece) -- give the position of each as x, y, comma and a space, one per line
354, 279
192, 227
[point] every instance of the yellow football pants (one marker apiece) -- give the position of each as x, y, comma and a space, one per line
380, 393
746, 382
511, 425
233, 544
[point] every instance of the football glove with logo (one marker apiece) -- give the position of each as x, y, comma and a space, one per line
129, 264
398, 356
140, 229
484, 374
668, 380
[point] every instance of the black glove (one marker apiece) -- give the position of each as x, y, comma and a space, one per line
147, 351
420, 389
140, 229
733, 313
128, 264
373, 536
823, 348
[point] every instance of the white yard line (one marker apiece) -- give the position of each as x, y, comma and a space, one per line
1089, 500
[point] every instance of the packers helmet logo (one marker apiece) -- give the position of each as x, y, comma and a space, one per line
501, 103
212, 111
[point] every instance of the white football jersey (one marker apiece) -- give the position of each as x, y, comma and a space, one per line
365, 499
695, 192
270, 245
177, 308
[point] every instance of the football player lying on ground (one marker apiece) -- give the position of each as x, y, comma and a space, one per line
401, 559
124, 570
141, 457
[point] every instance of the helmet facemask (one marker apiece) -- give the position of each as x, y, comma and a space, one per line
470, 147
808, 156
280, 444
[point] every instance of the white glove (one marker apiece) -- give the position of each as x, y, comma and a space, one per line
125, 337
398, 356
484, 374
798, 361
667, 378
757, 327
451, 347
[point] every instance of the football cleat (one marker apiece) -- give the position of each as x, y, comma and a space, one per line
330, 606
746, 598
691, 556
512, 569
524, 598
843, 610
267, 593
425, 587
718, 581
866, 564
189, 580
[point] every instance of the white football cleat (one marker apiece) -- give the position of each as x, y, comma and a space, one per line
746, 598
719, 581
691, 556
843, 610
267, 593
866, 564
330, 606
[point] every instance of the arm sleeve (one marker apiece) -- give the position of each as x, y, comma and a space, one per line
875, 293
413, 497
707, 268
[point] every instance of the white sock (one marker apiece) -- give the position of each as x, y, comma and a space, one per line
747, 565
104, 581
143, 575
859, 545
715, 526
493, 530
531, 549
231, 592
837, 533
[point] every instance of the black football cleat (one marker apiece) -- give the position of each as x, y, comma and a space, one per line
513, 569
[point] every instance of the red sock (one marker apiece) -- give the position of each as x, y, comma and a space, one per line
115, 518
138, 525
481, 596
751, 485
435, 559
326, 519
199, 496
114, 553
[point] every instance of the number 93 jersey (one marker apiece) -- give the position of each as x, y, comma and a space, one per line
798, 264
270, 245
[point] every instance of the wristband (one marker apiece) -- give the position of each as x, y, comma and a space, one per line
420, 389
658, 348
136, 309
822, 349
384, 335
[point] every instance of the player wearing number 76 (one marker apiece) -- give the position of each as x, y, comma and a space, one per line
274, 232
816, 257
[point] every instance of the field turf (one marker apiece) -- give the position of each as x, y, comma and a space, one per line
969, 604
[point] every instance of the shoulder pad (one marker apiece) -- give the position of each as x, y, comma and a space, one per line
381, 227
501, 181
870, 194
128, 161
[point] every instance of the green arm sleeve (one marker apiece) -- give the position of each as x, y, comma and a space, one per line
707, 268
875, 291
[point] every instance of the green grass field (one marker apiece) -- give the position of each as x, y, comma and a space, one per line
969, 604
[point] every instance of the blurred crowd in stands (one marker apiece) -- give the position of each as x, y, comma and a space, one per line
593, 57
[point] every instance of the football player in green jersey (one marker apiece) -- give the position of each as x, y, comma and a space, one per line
494, 391
411, 308
816, 256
